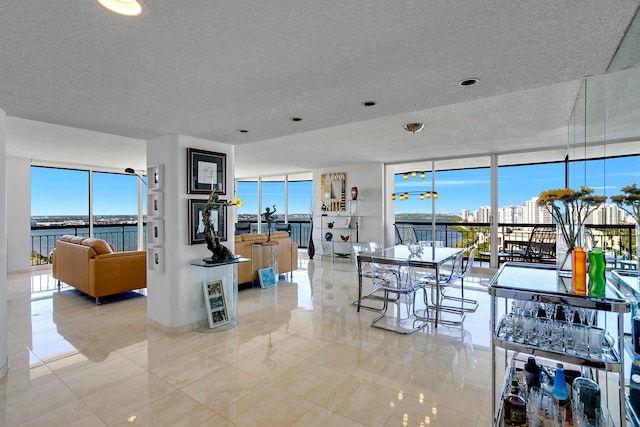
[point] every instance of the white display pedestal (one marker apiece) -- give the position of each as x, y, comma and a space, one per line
219, 283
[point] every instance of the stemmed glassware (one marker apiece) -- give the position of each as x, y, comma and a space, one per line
549, 310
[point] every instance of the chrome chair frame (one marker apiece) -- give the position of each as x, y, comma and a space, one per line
466, 304
445, 280
396, 279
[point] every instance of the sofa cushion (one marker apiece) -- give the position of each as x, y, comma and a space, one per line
98, 245
66, 237
77, 240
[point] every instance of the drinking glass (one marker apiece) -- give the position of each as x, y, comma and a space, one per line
581, 337
596, 335
569, 312
557, 336
569, 338
533, 406
550, 310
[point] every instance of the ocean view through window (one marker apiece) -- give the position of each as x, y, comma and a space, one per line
60, 201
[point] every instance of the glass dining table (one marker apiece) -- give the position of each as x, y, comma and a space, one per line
427, 257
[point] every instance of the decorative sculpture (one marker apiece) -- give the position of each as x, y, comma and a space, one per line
267, 217
220, 253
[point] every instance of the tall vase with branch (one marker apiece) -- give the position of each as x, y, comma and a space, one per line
630, 202
569, 209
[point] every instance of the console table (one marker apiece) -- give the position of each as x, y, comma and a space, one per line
220, 311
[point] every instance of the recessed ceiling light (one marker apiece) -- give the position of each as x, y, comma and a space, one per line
128, 8
468, 82
296, 119
369, 103
413, 127
243, 131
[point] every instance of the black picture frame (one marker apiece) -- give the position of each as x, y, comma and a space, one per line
196, 231
207, 171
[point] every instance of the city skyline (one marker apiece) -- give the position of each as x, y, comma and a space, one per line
65, 191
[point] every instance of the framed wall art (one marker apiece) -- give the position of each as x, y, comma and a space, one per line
215, 303
155, 259
155, 177
155, 231
196, 226
207, 171
155, 204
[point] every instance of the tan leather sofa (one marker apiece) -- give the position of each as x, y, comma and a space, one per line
91, 266
287, 254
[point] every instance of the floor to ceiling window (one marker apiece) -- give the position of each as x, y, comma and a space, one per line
61, 202
115, 209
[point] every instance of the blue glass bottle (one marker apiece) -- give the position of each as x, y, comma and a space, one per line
597, 269
560, 390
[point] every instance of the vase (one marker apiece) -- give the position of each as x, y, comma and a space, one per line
564, 249
354, 193
311, 249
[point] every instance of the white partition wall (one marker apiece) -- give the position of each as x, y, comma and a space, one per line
173, 294
4, 361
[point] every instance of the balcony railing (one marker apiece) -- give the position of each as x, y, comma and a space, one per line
123, 237
619, 238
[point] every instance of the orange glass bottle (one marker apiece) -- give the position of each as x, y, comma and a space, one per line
579, 271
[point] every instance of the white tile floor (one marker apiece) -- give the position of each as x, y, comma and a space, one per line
300, 356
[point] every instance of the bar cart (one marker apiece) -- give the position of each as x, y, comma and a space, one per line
539, 283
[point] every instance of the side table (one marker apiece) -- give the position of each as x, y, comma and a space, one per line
216, 294
264, 255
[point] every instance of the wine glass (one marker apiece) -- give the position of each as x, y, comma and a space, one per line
569, 312
550, 310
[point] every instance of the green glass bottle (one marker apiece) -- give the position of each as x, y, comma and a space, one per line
597, 268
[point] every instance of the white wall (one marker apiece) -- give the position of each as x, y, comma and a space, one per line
173, 296
19, 216
4, 361
369, 178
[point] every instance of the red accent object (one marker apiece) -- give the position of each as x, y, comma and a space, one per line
354, 193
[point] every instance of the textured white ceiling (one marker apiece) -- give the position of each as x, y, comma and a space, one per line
207, 69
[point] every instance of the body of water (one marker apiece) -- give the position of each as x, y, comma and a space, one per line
122, 237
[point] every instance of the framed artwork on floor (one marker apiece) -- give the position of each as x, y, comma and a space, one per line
196, 226
207, 171
215, 303
267, 277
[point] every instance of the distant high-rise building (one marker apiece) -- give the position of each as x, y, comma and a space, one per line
465, 215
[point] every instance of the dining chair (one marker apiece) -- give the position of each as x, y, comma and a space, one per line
455, 314
466, 304
366, 272
396, 279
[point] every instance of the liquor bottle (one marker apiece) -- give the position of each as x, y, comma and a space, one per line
532, 372
579, 271
514, 407
561, 392
597, 268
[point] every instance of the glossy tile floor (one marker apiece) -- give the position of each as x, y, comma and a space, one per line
300, 356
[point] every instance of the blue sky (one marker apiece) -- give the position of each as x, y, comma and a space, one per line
65, 192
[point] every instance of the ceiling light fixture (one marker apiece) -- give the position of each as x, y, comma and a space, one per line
468, 82
413, 127
243, 131
128, 8
296, 119
369, 103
